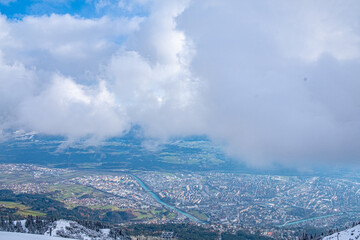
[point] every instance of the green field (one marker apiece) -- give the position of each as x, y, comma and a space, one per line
107, 207
21, 209
64, 191
142, 214
198, 215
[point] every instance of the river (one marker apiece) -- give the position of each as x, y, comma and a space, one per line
309, 219
143, 185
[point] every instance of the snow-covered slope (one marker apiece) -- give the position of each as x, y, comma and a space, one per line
63, 229
26, 236
351, 233
71, 229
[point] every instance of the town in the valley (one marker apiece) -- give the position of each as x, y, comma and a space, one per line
272, 205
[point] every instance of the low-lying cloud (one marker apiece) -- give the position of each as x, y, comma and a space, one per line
277, 82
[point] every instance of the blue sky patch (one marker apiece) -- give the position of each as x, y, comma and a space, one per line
83, 8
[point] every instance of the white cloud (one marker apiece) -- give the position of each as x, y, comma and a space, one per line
154, 79
65, 43
312, 29
35, 49
98, 76
254, 58
17, 83
70, 109
277, 81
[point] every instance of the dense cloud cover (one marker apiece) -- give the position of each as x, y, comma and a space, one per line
275, 81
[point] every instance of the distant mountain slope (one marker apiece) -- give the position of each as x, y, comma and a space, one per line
26, 236
349, 234
131, 151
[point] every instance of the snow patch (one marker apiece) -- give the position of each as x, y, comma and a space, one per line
349, 234
71, 229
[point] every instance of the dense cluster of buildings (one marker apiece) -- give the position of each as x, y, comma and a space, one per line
273, 205
126, 191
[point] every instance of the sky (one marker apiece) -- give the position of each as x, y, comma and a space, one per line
272, 81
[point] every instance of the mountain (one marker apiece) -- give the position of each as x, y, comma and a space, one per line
349, 234
131, 151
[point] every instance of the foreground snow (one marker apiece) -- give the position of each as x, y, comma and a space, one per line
26, 236
351, 233
62, 229
71, 229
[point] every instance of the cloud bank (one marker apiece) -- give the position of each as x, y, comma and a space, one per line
277, 82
